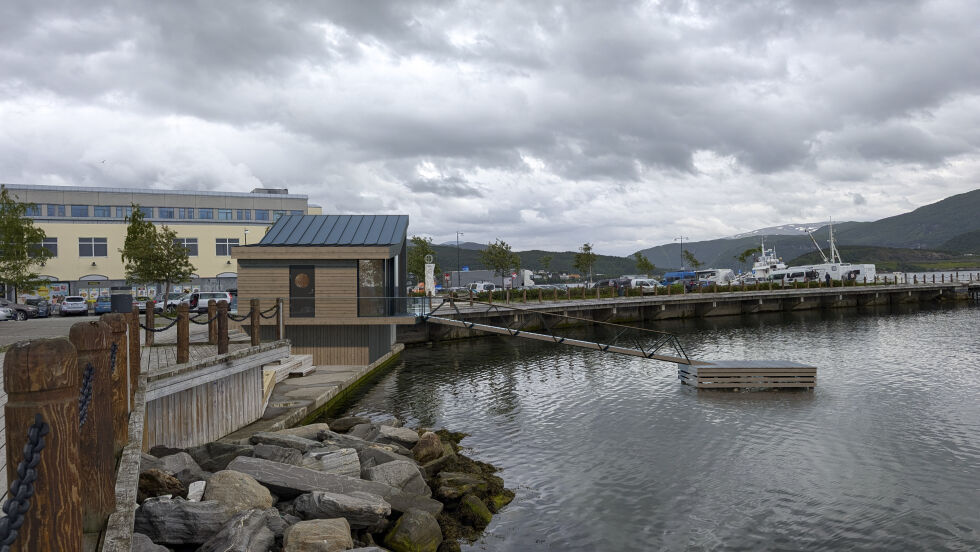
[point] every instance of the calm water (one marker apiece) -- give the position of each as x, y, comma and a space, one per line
612, 453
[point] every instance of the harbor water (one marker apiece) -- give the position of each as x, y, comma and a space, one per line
612, 453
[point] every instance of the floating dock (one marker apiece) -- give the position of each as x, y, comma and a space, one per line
737, 374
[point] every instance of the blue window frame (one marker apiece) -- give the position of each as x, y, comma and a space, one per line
185, 212
205, 213
79, 210
56, 210
103, 211
33, 210
165, 212
244, 214
224, 214
123, 212
261, 214
147, 211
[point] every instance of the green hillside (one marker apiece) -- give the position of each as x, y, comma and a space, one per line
928, 227
964, 243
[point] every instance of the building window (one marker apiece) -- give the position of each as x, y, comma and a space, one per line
79, 210
205, 213
185, 212
374, 281
165, 212
93, 247
301, 292
294, 212
244, 214
123, 212
103, 211
32, 210
147, 212
224, 214
190, 244
56, 210
51, 244
276, 215
261, 214
222, 246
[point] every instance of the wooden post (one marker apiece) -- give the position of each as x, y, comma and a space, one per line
507, 296
133, 376
598, 290
97, 458
471, 297
255, 309
280, 319
490, 293
213, 324
222, 323
540, 295
942, 277
123, 390
41, 377
524, 296
149, 323
556, 295
934, 278
183, 334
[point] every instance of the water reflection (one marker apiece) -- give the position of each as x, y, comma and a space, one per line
612, 453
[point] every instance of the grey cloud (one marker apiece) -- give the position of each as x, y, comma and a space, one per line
450, 186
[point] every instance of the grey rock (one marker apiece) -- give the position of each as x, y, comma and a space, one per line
279, 454
428, 448
246, 532
340, 462
278, 523
404, 475
343, 425
391, 422
177, 521
368, 549
156, 482
311, 431
160, 451
376, 455
361, 510
416, 531
474, 512
398, 436
453, 485
289, 441
348, 441
364, 431
214, 457
290, 481
321, 535
148, 462
195, 491
431, 469
184, 468
142, 543
238, 492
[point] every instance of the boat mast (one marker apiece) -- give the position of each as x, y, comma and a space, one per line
834, 254
809, 232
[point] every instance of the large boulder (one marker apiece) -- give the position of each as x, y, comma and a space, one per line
401, 474
320, 535
291, 481
282, 440
343, 425
313, 432
246, 532
279, 454
453, 485
377, 455
184, 468
364, 431
361, 510
473, 511
154, 482
431, 469
398, 436
142, 543
349, 441
238, 492
416, 531
428, 448
149, 462
177, 521
340, 462
214, 457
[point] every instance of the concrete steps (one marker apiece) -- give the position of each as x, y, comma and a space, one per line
291, 366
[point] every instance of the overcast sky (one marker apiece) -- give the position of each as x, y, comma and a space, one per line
621, 123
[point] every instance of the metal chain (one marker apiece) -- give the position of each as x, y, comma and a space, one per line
273, 310
241, 318
206, 322
85, 395
165, 328
22, 488
112, 357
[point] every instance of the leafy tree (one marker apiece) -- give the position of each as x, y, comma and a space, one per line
692, 260
153, 255
499, 258
546, 262
748, 253
643, 264
416, 257
585, 259
20, 244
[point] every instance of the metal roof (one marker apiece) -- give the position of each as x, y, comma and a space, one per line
337, 230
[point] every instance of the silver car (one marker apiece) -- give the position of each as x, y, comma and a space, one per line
74, 304
7, 313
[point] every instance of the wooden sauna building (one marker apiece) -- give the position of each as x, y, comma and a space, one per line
343, 280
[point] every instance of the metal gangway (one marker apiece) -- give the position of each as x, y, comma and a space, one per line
628, 340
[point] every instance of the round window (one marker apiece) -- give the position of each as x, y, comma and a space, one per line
302, 280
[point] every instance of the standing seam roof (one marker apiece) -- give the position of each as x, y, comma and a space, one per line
337, 230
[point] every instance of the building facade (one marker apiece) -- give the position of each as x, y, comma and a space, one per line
86, 228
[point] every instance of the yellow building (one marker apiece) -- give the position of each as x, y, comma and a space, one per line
86, 228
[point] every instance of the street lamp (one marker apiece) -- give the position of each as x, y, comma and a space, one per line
246, 237
458, 278
682, 238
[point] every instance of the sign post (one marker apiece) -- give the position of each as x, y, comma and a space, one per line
430, 276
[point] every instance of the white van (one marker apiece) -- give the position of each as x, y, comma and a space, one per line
645, 284
479, 287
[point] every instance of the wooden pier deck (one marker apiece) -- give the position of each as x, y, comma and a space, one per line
741, 374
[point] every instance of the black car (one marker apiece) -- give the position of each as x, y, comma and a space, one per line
42, 306
22, 312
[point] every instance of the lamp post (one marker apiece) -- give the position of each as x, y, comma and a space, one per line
246, 237
458, 278
681, 239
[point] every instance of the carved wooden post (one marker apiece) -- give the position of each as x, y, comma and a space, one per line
183, 333
212, 324
149, 323
222, 323
256, 321
122, 389
97, 462
41, 377
133, 379
280, 319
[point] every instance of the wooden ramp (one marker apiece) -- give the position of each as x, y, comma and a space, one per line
732, 374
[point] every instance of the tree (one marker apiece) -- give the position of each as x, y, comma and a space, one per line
152, 255
643, 264
692, 260
585, 259
416, 256
748, 254
546, 262
20, 244
499, 258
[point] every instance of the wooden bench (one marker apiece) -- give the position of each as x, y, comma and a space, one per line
733, 374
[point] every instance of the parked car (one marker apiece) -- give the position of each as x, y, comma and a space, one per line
103, 305
198, 301
141, 302
21, 311
42, 306
7, 313
74, 304
645, 284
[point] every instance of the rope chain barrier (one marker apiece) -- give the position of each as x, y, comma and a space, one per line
206, 322
241, 318
22, 488
272, 310
165, 328
85, 395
